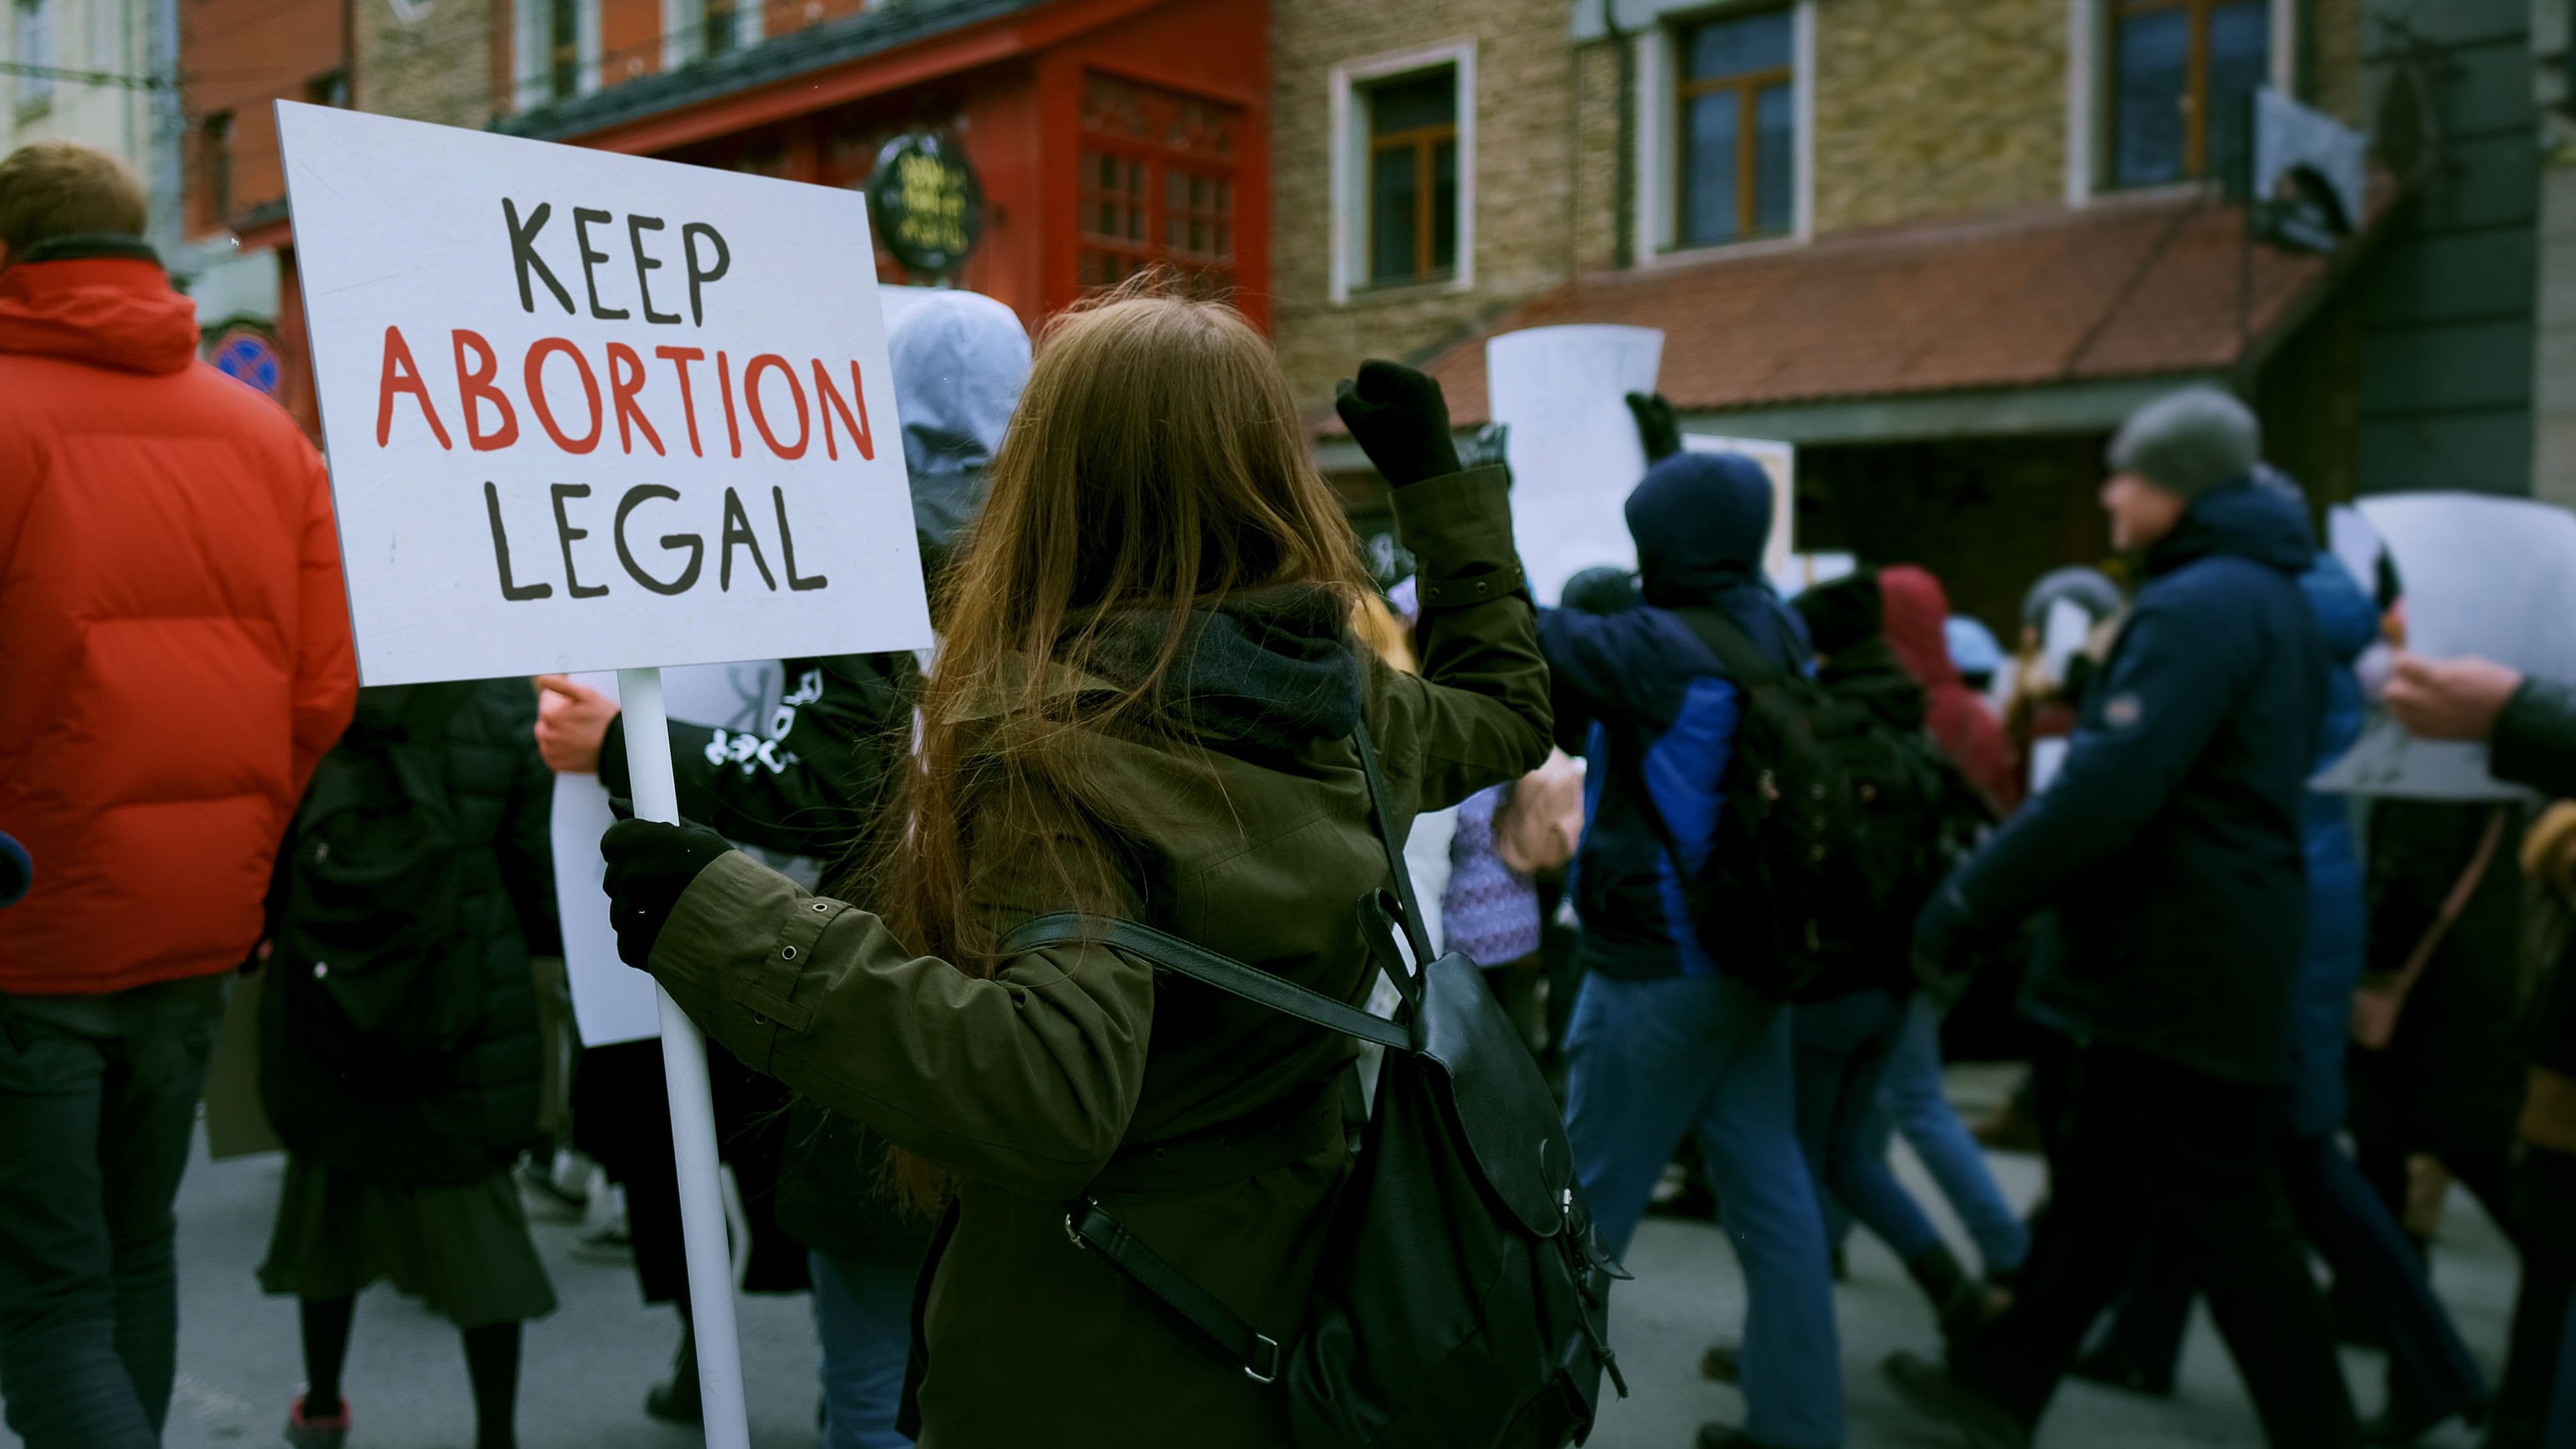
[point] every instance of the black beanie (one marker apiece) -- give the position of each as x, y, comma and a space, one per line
1842, 613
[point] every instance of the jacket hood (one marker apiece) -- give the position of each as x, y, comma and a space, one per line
2345, 615
109, 311
960, 360
1917, 623
1701, 522
1266, 672
2250, 519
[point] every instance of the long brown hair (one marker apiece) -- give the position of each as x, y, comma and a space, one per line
1156, 466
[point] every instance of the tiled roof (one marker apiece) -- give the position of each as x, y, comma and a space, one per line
2126, 287
883, 27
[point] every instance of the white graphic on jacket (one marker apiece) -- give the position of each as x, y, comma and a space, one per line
750, 751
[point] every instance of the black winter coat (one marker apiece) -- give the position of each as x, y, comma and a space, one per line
2535, 745
474, 1112
2168, 848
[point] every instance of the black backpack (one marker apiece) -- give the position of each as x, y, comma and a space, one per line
1838, 825
374, 967
1463, 1301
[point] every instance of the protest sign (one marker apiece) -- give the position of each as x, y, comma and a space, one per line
590, 411
2493, 577
1575, 454
1573, 445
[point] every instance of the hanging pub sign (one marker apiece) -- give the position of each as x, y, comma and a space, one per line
927, 204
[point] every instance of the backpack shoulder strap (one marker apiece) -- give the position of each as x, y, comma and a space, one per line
1745, 662
1257, 1352
1251, 983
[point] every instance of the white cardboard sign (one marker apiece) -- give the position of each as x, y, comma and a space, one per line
1573, 443
2482, 575
591, 411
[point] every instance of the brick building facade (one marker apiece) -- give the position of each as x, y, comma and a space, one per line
1888, 164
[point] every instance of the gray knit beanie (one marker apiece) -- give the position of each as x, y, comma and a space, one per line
2189, 442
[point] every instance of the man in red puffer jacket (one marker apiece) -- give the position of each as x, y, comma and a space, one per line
174, 657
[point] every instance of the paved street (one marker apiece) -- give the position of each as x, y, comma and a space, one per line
589, 1365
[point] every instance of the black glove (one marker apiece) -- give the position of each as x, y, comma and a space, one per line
1943, 942
1399, 419
1658, 426
650, 865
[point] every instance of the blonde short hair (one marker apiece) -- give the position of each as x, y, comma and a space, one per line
58, 188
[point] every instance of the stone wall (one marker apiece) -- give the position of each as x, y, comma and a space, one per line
1525, 224
1931, 108
437, 68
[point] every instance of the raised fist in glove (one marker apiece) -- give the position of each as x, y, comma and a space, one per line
1659, 428
1399, 419
650, 865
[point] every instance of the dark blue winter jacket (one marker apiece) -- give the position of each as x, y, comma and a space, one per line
2168, 849
2338, 913
1656, 709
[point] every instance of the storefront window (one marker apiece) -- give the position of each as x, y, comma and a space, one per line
1158, 173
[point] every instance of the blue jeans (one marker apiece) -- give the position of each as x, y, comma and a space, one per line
1915, 1103
863, 1314
1842, 1049
1648, 1061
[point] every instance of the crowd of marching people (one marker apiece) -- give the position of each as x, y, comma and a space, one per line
1032, 971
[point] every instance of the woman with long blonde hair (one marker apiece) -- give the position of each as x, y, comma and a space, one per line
1142, 707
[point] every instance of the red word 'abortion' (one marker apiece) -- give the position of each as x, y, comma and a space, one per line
772, 393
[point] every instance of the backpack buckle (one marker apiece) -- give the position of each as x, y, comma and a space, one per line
1264, 1367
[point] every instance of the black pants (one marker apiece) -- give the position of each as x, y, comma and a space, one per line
98, 1095
2152, 1143
622, 1116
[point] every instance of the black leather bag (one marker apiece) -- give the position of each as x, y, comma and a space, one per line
1463, 1301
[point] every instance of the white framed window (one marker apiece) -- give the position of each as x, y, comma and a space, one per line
31, 35
694, 30
1726, 129
557, 48
2151, 85
1404, 170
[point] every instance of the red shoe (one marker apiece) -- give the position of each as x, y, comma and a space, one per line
304, 1431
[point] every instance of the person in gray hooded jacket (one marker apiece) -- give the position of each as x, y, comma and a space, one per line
812, 787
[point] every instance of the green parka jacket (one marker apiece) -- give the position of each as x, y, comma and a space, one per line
1210, 1127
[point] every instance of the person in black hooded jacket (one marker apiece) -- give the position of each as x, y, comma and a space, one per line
2167, 855
399, 1149
1664, 1042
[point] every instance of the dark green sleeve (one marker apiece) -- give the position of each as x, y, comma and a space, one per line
2535, 739
1478, 713
1026, 1080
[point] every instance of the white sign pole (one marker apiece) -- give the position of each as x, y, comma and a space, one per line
693, 1104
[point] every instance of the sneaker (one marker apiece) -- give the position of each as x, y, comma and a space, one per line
1725, 1436
1927, 1386
610, 1242
305, 1431
549, 1197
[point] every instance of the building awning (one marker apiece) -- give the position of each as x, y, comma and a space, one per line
2034, 321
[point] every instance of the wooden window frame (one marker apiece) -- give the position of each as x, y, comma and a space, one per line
1748, 86
1155, 141
2197, 132
1424, 142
